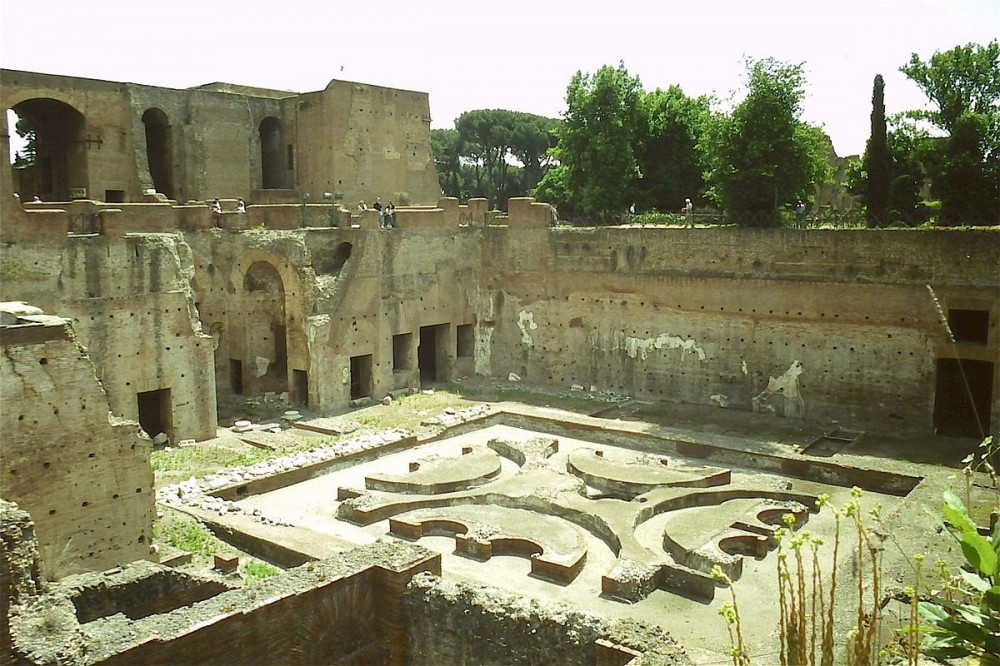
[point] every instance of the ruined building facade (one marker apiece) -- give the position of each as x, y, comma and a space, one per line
116, 141
871, 329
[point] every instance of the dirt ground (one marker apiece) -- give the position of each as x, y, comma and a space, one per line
903, 530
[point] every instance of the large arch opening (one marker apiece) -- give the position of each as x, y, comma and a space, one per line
272, 144
51, 159
159, 151
265, 348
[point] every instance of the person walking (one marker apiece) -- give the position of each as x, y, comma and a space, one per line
688, 213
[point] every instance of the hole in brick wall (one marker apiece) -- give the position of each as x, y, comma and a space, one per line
52, 512
43, 361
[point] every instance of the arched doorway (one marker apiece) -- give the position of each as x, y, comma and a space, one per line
159, 151
272, 142
265, 345
55, 166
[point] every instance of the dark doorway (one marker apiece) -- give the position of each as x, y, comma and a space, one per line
300, 388
361, 377
159, 152
432, 353
236, 376
154, 411
962, 397
272, 152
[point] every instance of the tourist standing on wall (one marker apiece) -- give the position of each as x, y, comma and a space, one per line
688, 213
216, 212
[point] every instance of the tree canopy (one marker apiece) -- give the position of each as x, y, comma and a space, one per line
958, 173
762, 155
620, 144
493, 153
965, 79
597, 169
670, 128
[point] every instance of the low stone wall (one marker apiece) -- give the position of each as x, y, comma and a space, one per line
459, 623
344, 610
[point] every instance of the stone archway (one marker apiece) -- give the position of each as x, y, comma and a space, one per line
159, 151
58, 170
265, 342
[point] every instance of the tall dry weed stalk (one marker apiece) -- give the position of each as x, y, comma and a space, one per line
806, 627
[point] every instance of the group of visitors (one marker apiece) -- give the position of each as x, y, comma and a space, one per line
385, 214
241, 207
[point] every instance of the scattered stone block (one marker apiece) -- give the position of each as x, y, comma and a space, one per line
227, 564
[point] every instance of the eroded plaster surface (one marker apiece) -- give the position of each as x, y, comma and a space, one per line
642, 347
526, 322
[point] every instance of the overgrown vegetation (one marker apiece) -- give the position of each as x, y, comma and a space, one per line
255, 571
960, 619
187, 534
618, 144
954, 147
963, 618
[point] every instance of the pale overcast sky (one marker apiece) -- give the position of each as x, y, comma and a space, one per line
514, 54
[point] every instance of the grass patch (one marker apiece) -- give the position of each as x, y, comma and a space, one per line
206, 457
189, 535
255, 571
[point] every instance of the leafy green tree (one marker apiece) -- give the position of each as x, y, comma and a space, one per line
446, 147
762, 155
912, 153
598, 169
670, 126
532, 139
963, 80
879, 161
26, 130
964, 86
969, 192
487, 134
493, 153
910, 148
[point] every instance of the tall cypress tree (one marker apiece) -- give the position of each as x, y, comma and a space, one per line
879, 160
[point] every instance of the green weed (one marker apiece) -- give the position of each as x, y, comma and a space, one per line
188, 535
255, 571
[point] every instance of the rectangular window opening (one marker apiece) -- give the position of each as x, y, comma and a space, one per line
970, 325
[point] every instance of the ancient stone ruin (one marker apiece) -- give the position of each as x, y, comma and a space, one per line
499, 534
